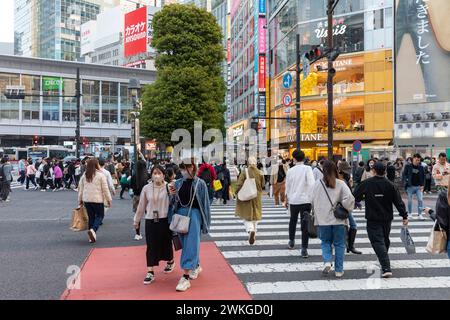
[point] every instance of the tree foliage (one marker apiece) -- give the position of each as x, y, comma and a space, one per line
189, 86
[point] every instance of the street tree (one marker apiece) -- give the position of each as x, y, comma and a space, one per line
189, 86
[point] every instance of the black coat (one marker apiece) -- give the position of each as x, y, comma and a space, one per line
443, 212
380, 195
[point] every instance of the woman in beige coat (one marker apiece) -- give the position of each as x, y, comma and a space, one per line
250, 211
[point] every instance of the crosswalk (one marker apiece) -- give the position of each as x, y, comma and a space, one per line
270, 270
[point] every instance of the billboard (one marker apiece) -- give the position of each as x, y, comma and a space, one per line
135, 32
52, 83
262, 35
262, 73
88, 31
108, 30
422, 41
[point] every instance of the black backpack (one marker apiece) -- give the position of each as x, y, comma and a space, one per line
281, 174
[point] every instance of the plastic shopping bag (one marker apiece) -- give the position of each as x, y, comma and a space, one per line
407, 240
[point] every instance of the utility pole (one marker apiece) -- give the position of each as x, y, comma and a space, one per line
77, 130
297, 92
330, 80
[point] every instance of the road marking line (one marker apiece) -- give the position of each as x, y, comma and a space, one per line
347, 285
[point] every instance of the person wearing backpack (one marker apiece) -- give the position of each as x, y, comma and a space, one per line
5, 179
278, 180
207, 173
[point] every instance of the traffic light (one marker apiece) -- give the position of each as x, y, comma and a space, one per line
15, 92
314, 53
35, 140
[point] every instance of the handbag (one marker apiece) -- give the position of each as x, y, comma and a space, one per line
180, 223
407, 240
338, 210
217, 185
437, 243
248, 190
312, 228
177, 244
80, 219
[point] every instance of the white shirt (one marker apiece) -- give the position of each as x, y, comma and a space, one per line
317, 173
109, 180
299, 184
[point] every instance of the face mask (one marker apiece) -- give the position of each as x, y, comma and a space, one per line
185, 174
371, 165
157, 178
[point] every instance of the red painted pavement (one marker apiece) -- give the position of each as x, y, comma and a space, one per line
118, 273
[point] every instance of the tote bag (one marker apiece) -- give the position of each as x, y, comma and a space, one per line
248, 191
437, 243
217, 185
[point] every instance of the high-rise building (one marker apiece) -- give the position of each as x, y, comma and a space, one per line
51, 29
247, 56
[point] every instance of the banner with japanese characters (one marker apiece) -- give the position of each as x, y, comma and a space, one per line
422, 39
135, 32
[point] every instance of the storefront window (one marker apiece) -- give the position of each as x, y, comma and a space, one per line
51, 87
9, 109
126, 104
31, 105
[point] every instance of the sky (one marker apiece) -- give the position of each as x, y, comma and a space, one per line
7, 21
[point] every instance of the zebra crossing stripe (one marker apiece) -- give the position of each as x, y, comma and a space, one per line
286, 233
283, 242
286, 225
348, 265
296, 253
347, 285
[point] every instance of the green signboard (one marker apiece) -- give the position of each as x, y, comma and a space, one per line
448, 153
52, 84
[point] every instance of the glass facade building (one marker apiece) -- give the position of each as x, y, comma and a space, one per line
105, 101
51, 29
363, 85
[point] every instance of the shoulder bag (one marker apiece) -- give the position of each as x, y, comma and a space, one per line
248, 191
338, 209
180, 223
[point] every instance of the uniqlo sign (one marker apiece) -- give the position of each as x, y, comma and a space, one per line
136, 32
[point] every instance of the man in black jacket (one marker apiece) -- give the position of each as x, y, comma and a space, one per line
414, 180
379, 195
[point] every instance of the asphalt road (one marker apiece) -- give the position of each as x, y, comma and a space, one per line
37, 247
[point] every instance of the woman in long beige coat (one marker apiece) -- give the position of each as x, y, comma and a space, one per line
250, 211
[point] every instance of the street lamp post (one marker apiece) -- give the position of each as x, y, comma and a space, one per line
134, 88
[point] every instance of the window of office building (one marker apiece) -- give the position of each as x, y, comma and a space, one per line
91, 101
125, 104
69, 103
110, 99
9, 109
51, 87
31, 105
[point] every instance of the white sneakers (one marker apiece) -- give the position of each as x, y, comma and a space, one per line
327, 268
183, 284
138, 237
339, 274
92, 236
194, 273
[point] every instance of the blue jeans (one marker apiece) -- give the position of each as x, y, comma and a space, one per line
352, 222
333, 236
96, 213
190, 256
415, 190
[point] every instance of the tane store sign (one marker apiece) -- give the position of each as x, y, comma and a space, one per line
136, 32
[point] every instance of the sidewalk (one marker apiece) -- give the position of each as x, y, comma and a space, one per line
118, 273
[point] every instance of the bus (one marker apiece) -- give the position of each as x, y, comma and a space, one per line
40, 152
15, 154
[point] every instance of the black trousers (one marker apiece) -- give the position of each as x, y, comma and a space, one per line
303, 210
378, 232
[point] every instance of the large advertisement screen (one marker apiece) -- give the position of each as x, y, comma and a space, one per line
136, 32
422, 51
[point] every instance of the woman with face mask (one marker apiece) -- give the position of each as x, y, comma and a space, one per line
137, 183
191, 199
155, 202
369, 172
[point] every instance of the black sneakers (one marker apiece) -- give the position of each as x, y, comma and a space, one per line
149, 278
305, 253
169, 267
